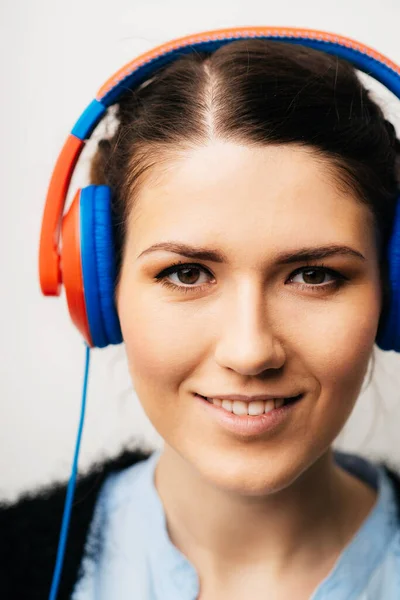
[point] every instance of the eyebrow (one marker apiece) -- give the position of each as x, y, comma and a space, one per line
284, 258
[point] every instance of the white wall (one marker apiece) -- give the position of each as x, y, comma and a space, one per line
54, 57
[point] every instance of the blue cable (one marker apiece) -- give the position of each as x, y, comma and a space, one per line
70, 492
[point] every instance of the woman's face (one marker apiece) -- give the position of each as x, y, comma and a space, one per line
249, 323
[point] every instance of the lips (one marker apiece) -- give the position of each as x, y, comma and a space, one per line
247, 419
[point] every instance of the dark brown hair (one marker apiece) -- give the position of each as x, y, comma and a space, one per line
255, 92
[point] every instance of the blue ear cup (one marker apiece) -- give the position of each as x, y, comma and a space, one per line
388, 337
98, 265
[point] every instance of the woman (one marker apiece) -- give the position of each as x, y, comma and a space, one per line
254, 193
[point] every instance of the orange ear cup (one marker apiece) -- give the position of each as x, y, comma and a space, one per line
71, 268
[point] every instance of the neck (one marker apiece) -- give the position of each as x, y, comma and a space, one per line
307, 523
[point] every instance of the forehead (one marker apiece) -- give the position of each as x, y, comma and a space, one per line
245, 196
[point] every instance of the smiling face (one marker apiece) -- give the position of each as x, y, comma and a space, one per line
251, 323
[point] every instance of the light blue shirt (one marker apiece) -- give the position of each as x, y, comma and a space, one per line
129, 555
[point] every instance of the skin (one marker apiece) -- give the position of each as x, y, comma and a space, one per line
271, 510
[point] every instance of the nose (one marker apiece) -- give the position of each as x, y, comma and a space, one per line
246, 339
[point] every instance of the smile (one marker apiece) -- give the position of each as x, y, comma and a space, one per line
252, 408
255, 418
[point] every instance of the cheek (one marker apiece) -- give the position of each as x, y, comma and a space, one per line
162, 341
341, 344
337, 355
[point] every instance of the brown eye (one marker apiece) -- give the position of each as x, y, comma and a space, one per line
188, 275
314, 277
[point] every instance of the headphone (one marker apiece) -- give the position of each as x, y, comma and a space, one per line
77, 249
85, 264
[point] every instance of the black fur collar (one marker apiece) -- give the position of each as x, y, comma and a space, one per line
30, 530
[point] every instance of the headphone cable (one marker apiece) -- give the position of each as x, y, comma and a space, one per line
70, 491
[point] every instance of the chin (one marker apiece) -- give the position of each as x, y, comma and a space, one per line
250, 474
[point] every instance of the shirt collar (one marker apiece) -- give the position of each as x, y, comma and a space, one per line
174, 576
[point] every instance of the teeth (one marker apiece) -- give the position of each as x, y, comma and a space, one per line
227, 405
256, 407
